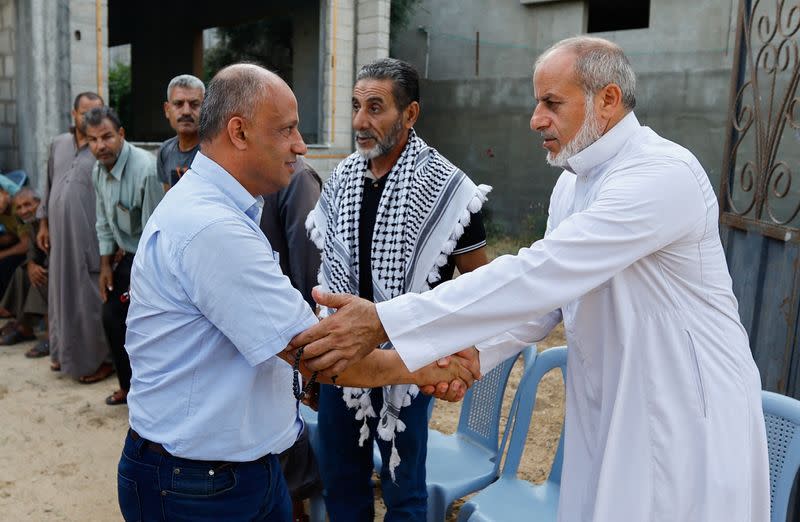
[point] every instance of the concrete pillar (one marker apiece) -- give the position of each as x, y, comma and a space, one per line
339, 73
83, 38
372, 31
42, 80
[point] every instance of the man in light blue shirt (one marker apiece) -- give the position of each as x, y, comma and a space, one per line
210, 403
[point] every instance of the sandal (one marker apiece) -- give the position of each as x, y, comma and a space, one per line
55, 367
15, 337
8, 328
117, 398
42, 349
102, 373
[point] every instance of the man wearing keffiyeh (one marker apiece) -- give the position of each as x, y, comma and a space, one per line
394, 217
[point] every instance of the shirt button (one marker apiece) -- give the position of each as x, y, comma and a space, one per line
375, 185
177, 471
211, 472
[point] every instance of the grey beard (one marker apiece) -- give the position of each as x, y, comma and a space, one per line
382, 148
589, 132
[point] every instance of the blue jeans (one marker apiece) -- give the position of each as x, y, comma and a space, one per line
152, 486
346, 468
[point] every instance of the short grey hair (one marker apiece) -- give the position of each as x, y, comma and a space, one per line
28, 191
404, 77
235, 90
598, 63
187, 81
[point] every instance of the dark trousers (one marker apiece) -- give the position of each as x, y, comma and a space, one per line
300, 469
7, 267
346, 467
152, 486
115, 312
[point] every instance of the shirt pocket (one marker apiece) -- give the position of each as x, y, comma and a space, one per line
129, 220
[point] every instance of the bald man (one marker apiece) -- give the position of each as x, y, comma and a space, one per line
211, 403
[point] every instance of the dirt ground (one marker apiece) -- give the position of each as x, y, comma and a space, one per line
59, 442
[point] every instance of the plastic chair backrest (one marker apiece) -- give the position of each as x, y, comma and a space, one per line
782, 419
519, 418
480, 413
19, 177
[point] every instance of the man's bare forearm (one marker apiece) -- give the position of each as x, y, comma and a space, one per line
378, 368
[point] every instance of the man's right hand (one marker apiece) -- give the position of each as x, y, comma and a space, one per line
468, 360
106, 281
37, 274
43, 236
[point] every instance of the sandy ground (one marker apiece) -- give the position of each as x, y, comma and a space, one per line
60, 443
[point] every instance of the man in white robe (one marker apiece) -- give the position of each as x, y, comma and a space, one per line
663, 406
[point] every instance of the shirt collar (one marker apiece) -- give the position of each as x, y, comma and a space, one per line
586, 161
211, 171
119, 166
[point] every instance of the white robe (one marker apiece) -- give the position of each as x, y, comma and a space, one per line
663, 404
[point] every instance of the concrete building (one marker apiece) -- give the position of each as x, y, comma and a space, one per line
50, 50
477, 58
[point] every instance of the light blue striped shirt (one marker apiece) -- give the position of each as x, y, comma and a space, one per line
209, 310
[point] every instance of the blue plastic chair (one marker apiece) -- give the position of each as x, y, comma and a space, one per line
19, 177
782, 418
528, 356
511, 498
469, 459
13, 181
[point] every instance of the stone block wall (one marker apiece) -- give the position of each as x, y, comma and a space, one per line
83, 47
9, 146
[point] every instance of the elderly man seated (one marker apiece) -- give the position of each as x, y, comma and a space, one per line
14, 240
25, 299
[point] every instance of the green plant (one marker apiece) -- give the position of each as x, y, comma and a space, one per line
400, 14
267, 42
119, 90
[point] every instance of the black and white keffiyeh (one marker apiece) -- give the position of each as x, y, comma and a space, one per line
423, 210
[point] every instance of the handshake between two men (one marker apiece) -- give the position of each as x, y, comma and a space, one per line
341, 348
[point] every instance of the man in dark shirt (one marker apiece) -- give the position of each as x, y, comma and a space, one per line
26, 296
283, 222
184, 97
394, 217
14, 240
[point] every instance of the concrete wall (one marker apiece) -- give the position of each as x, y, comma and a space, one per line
83, 42
354, 32
9, 150
43, 79
481, 122
43, 64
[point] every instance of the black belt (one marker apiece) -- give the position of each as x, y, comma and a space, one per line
155, 447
